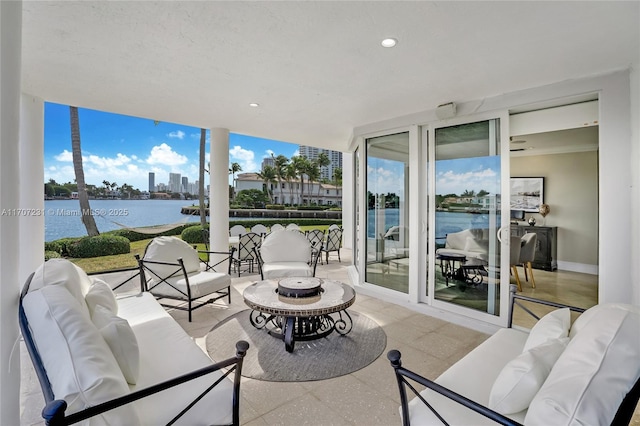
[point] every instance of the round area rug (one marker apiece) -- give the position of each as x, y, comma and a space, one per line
320, 359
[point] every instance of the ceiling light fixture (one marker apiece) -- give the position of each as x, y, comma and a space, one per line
254, 105
389, 42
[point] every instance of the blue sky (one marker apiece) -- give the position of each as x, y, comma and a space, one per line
472, 174
124, 149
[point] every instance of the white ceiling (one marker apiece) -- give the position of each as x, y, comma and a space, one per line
316, 68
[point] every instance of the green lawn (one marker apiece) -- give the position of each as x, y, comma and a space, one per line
121, 261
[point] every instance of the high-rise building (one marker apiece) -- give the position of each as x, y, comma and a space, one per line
175, 184
152, 181
334, 156
268, 161
185, 184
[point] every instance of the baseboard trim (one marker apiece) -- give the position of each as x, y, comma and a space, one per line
578, 267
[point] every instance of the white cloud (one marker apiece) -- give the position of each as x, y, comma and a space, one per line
163, 154
244, 157
106, 162
178, 134
450, 182
64, 156
269, 153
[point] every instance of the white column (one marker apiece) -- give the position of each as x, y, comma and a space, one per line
348, 199
32, 184
10, 59
219, 189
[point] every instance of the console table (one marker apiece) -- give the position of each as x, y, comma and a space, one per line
546, 247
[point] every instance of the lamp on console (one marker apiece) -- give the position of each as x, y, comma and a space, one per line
544, 211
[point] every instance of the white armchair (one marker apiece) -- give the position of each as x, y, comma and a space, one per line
286, 254
171, 269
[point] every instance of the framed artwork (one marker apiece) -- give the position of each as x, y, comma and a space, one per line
527, 193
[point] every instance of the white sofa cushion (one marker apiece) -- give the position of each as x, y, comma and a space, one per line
168, 351
522, 377
79, 364
101, 294
554, 325
122, 341
594, 373
473, 377
64, 273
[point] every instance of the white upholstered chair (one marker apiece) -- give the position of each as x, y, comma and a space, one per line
171, 269
286, 254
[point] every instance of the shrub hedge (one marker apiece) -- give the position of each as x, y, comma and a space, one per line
50, 254
193, 234
100, 245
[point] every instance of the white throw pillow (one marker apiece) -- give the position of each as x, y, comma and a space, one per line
79, 364
554, 325
520, 380
101, 294
595, 372
122, 341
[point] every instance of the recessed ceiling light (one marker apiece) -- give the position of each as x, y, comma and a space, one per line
389, 42
254, 105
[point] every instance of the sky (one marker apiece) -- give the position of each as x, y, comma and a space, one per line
124, 149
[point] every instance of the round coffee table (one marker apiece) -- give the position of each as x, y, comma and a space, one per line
300, 318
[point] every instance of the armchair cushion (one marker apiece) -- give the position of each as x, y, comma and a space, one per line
122, 341
285, 246
169, 249
81, 368
286, 269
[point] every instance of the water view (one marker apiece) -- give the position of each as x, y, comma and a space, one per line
62, 217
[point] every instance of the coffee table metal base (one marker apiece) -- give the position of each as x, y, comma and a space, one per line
291, 329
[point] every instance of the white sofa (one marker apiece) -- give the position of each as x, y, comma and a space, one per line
587, 373
472, 243
89, 347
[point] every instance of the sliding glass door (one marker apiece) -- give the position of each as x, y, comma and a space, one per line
465, 182
387, 206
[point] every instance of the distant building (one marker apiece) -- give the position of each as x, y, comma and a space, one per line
291, 192
152, 181
334, 156
175, 183
185, 184
268, 161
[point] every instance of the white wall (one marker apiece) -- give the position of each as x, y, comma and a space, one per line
635, 177
571, 190
10, 58
617, 166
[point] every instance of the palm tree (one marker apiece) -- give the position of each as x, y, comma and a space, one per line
203, 215
280, 163
290, 174
313, 173
235, 168
322, 161
268, 175
301, 165
87, 218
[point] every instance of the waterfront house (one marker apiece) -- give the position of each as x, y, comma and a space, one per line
318, 75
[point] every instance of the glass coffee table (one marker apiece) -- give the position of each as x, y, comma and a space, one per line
300, 309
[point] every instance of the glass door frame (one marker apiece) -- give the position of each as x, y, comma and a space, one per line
427, 290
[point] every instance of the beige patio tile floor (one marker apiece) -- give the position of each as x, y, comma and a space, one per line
365, 397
